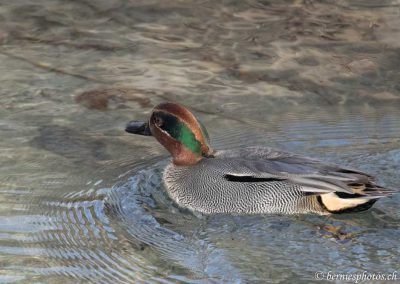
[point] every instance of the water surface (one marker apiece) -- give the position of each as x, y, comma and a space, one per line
82, 201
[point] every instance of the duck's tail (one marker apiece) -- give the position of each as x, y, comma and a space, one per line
362, 198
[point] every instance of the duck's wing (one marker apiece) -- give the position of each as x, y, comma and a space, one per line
300, 163
258, 164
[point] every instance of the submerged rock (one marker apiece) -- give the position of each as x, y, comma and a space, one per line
362, 66
102, 99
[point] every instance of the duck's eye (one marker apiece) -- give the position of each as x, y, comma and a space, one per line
158, 121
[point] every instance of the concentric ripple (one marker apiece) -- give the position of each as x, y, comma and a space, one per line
143, 209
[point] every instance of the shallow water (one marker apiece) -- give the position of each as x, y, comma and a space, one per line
82, 201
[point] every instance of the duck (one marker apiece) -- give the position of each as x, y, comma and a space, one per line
250, 180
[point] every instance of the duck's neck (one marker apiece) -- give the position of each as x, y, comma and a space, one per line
186, 158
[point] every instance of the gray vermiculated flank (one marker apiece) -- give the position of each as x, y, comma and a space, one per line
203, 186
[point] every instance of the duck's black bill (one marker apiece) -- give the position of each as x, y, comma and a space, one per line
138, 127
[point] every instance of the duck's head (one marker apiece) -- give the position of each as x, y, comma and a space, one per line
176, 128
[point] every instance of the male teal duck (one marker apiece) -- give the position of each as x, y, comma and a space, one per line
251, 180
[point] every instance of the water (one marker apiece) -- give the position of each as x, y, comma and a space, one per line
82, 201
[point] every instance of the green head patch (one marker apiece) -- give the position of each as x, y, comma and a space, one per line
178, 130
